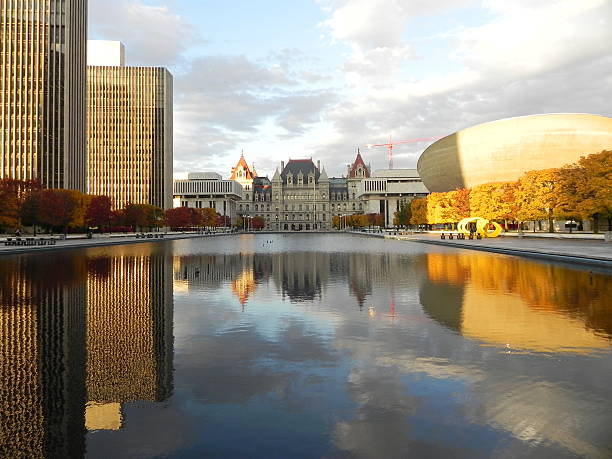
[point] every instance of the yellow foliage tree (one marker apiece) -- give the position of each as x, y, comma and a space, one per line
418, 208
494, 201
458, 206
594, 187
536, 196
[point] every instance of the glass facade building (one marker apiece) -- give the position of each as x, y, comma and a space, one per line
129, 115
42, 91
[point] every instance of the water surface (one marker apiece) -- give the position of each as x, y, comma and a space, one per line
302, 346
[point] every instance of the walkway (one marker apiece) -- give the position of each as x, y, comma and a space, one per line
78, 241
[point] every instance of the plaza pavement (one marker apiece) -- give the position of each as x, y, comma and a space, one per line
80, 241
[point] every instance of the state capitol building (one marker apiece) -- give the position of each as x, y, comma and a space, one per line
300, 196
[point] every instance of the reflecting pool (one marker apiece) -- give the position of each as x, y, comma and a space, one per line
302, 346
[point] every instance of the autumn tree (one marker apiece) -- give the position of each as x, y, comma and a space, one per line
181, 217
258, 223
595, 187
13, 193
209, 217
494, 201
568, 198
436, 206
418, 211
142, 216
223, 221
57, 208
30, 210
458, 205
536, 195
98, 212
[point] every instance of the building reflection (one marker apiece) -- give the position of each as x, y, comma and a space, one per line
42, 357
129, 333
298, 277
517, 303
78, 342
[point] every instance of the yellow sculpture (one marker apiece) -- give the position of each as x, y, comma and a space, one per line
482, 227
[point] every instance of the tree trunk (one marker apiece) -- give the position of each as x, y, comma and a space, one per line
596, 223
551, 225
609, 223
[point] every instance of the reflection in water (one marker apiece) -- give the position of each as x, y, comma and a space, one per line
75, 328
42, 373
129, 335
519, 304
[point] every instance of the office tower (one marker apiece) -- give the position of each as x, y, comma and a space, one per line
42, 92
129, 113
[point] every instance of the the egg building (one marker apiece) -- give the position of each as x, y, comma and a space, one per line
503, 150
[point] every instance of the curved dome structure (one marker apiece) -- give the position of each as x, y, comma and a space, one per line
501, 151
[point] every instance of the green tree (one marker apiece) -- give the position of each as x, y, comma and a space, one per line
403, 215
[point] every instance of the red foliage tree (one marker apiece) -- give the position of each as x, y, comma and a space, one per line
30, 210
98, 211
223, 221
181, 217
56, 208
13, 194
142, 215
258, 223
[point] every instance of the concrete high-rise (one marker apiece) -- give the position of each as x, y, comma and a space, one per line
130, 134
42, 92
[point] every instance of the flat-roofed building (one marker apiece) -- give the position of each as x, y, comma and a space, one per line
130, 134
105, 53
208, 190
42, 92
387, 189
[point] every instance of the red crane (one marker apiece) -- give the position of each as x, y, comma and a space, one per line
391, 144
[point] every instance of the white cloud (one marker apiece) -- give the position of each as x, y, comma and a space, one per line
515, 58
154, 35
525, 57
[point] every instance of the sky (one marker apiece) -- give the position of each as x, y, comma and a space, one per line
290, 79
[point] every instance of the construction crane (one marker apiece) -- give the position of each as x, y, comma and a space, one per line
389, 146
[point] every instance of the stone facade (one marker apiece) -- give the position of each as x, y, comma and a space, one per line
301, 196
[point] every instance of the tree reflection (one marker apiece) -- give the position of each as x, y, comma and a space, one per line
518, 303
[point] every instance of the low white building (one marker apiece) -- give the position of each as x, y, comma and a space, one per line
386, 189
208, 189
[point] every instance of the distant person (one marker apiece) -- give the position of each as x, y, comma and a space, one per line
18, 232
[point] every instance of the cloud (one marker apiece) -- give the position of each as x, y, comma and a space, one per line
407, 69
222, 102
153, 35
521, 59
